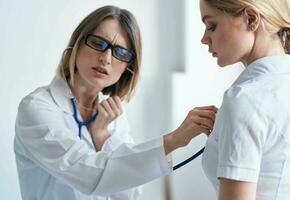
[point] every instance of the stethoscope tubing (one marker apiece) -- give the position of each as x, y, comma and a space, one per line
189, 159
78, 121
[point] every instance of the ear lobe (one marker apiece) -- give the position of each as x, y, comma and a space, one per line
253, 18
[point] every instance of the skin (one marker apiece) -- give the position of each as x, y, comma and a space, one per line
88, 83
230, 40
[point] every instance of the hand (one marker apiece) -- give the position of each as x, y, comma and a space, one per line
108, 110
199, 120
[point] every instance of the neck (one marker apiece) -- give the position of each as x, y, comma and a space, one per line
264, 45
84, 93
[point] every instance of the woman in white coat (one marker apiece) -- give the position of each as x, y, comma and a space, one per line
72, 138
247, 156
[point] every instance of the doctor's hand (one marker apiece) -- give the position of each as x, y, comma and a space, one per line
108, 110
199, 120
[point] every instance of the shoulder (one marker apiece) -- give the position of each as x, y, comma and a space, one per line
237, 100
249, 93
244, 104
38, 100
40, 94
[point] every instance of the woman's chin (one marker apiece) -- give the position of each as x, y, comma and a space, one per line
223, 63
220, 63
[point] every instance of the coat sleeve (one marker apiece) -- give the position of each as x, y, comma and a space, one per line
49, 143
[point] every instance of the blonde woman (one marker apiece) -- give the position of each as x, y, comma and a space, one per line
247, 156
72, 138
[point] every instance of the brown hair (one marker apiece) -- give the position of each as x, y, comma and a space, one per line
128, 81
275, 14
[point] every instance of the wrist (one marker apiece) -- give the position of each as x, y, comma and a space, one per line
99, 137
170, 142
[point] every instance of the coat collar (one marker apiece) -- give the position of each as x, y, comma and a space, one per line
62, 94
271, 65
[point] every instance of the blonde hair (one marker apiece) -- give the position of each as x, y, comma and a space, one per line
275, 15
128, 81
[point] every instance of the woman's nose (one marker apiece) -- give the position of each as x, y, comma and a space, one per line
105, 57
205, 39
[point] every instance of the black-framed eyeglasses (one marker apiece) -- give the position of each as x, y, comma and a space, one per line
101, 44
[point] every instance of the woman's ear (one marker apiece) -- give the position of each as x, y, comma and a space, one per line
253, 18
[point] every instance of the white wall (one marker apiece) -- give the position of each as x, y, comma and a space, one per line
33, 35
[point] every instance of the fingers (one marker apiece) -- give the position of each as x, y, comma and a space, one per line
203, 118
118, 101
205, 130
205, 114
112, 107
102, 111
211, 108
115, 105
204, 122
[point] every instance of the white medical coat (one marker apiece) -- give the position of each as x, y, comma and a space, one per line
54, 163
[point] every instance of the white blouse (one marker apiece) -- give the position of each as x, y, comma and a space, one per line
251, 137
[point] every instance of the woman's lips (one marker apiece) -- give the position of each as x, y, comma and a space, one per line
100, 72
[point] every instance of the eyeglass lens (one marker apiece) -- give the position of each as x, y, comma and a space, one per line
100, 44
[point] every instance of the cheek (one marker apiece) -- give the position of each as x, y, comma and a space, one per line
85, 59
79, 61
227, 42
220, 39
81, 58
237, 38
240, 44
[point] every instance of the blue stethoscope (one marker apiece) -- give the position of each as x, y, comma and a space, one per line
78, 121
92, 118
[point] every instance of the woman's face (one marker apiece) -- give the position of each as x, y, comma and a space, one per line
99, 69
228, 38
